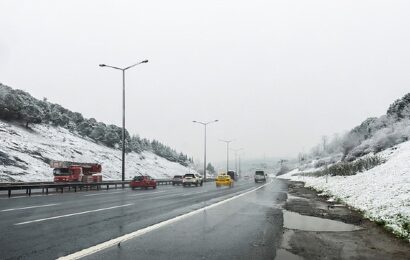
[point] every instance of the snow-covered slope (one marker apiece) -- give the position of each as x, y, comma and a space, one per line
381, 193
24, 155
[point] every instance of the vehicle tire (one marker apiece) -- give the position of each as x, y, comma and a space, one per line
154, 187
196, 184
202, 183
173, 184
133, 188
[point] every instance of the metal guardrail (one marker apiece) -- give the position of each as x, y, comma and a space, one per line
21, 183
45, 186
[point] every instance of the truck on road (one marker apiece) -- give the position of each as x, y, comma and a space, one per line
76, 171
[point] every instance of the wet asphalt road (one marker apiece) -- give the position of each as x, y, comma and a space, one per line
47, 227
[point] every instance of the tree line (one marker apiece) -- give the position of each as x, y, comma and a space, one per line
18, 105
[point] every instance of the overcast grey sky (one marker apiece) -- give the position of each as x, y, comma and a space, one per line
277, 74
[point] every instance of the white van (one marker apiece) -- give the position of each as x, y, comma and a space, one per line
260, 176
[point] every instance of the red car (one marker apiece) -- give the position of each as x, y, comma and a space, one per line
143, 182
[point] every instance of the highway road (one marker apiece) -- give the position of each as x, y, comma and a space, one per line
170, 222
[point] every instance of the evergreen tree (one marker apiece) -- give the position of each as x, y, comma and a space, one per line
111, 137
210, 168
98, 132
85, 128
31, 114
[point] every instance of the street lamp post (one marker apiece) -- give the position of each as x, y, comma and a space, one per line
239, 170
205, 124
123, 111
239, 164
227, 153
236, 158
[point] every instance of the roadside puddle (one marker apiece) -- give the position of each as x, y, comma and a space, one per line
293, 197
293, 220
287, 235
282, 254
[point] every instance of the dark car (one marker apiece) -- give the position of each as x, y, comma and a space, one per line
234, 175
177, 180
143, 182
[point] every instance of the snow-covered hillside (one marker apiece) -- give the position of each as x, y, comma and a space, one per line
381, 193
24, 155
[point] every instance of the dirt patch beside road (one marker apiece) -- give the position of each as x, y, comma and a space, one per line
319, 231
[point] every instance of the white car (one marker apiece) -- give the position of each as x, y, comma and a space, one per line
192, 179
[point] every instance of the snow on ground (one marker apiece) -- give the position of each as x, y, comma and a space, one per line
381, 193
24, 153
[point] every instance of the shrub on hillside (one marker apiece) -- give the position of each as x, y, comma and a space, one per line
348, 168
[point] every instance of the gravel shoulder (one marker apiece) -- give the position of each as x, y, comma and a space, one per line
367, 241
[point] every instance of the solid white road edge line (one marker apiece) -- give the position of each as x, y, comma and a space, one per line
72, 214
30, 207
140, 232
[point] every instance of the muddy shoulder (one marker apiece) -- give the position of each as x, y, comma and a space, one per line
315, 228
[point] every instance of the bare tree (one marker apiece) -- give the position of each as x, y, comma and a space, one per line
324, 143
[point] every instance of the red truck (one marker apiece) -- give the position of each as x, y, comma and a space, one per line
76, 171
143, 182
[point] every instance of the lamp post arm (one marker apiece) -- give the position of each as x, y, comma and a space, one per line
129, 67
109, 66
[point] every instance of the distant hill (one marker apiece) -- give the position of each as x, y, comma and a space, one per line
17, 106
373, 135
25, 155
